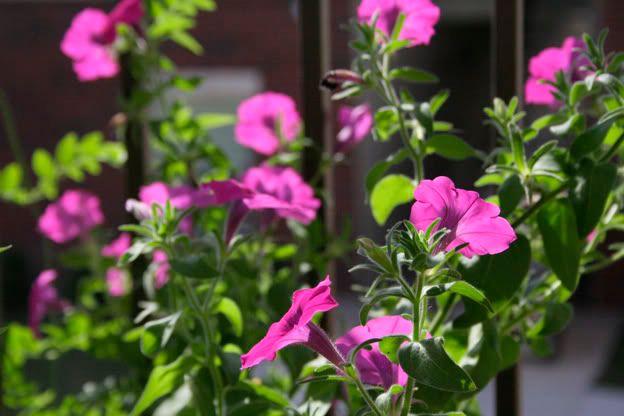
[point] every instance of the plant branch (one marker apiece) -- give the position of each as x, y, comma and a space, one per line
542, 201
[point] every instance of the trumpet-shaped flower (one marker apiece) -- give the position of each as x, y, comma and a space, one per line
43, 299
374, 367
118, 246
266, 121
356, 123
74, 214
161, 275
545, 66
421, 16
117, 281
468, 218
296, 327
89, 40
282, 189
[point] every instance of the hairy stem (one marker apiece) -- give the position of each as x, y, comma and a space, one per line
542, 201
416, 322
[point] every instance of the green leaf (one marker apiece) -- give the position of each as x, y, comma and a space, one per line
5, 248
66, 149
232, 312
547, 121
43, 164
556, 317
378, 170
541, 151
509, 352
350, 91
211, 121
498, 277
578, 92
267, 393
386, 123
510, 194
195, 266
187, 41
390, 345
482, 360
562, 246
379, 295
591, 188
410, 74
428, 363
461, 288
449, 146
388, 193
591, 139
163, 380
438, 100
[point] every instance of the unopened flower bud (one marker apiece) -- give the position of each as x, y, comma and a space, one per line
336, 79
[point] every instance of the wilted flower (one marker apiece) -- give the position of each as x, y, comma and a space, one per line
356, 123
43, 299
338, 79
421, 16
74, 214
373, 366
296, 327
545, 66
468, 218
266, 121
89, 40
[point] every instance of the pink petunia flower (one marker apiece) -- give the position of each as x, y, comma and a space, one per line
116, 280
545, 66
161, 276
74, 214
296, 327
356, 123
89, 40
295, 197
374, 367
421, 16
265, 121
44, 298
118, 246
469, 218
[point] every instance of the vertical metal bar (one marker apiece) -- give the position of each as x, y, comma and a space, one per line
507, 76
315, 34
134, 140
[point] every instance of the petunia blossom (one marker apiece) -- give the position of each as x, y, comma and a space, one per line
267, 120
355, 124
161, 274
117, 281
89, 40
296, 327
468, 218
545, 66
421, 16
295, 198
118, 246
374, 367
44, 298
74, 214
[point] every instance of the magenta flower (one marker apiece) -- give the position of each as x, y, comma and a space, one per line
43, 299
118, 246
545, 66
282, 189
74, 214
116, 280
356, 123
89, 40
296, 327
161, 275
421, 16
468, 218
374, 367
266, 121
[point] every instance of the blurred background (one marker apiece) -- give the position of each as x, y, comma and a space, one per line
252, 47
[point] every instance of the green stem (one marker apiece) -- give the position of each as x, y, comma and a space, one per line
12, 137
416, 322
442, 314
611, 152
208, 344
543, 200
367, 398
